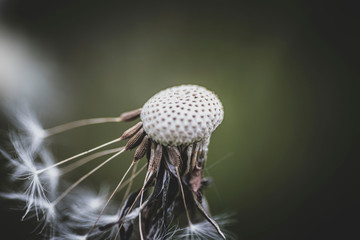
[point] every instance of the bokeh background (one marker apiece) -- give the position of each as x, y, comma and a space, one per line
286, 72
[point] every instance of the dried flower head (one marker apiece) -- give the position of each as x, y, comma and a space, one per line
181, 115
173, 135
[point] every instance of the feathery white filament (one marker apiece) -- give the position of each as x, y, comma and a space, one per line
203, 230
112, 195
24, 168
28, 126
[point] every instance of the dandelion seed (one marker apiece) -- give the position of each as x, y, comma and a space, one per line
24, 169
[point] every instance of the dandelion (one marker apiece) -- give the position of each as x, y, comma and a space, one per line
173, 135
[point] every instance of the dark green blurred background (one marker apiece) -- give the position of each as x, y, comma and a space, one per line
284, 70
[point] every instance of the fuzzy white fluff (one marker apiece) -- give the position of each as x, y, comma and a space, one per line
25, 169
204, 230
27, 125
37, 190
85, 206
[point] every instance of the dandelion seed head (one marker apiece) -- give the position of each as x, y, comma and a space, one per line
181, 115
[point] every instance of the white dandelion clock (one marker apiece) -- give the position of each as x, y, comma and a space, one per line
173, 135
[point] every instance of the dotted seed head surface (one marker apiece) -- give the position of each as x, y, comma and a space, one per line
181, 115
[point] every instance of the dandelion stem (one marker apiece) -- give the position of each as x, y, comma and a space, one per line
84, 177
78, 155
